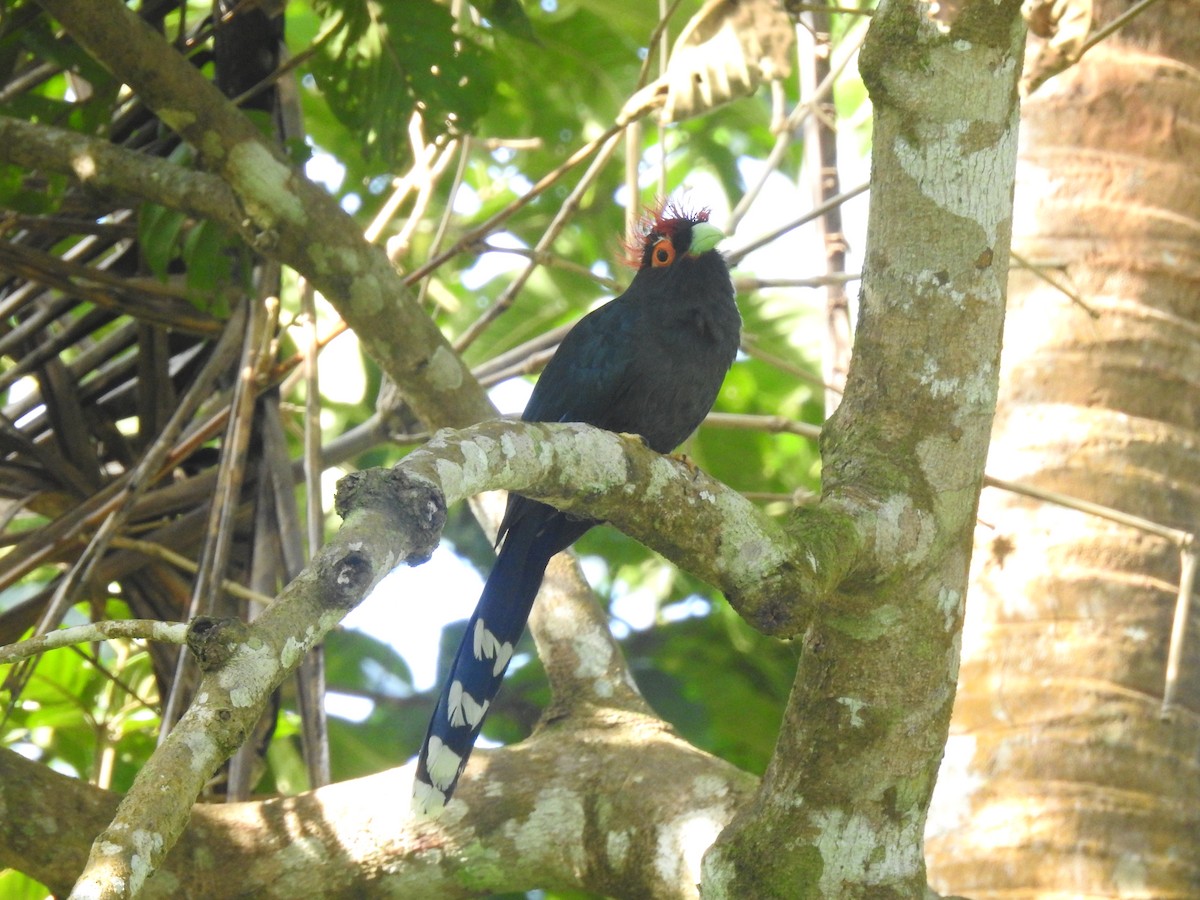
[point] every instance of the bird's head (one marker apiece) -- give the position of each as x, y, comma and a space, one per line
677, 259
673, 233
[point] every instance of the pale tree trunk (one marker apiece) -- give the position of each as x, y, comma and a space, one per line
1062, 777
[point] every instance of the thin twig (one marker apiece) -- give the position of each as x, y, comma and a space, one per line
313, 463
460, 174
770, 424
1119, 22
1041, 273
845, 51
550, 260
401, 187
181, 562
744, 284
1181, 539
664, 52
482, 230
844, 10
117, 629
561, 217
736, 256
1183, 606
1061, 59
821, 163
429, 175
528, 365
659, 29
1184, 540
798, 497
141, 298
231, 473
472, 237
143, 474
751, 348
516, 358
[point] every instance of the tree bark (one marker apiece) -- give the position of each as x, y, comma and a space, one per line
557, 811
1063, 775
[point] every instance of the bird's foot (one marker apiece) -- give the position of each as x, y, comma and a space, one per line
636, 437
692, 468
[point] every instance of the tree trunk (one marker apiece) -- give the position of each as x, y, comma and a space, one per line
1062, 776
841, 809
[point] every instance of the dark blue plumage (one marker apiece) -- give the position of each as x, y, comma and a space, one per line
649, 363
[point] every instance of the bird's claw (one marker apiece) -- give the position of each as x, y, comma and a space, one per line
692, 468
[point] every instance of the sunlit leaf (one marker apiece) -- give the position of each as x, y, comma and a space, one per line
15, 886
383, 61
726, 51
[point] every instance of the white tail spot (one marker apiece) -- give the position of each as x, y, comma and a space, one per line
503, 654
488, 646
464, 710
485, 642
442, 763
427, 800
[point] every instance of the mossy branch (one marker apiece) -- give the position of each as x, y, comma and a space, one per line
772, 572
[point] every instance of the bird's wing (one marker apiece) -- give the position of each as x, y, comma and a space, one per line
590, 373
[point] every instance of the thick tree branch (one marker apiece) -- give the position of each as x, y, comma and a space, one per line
101, 166
771, 575
584, 663
659, 802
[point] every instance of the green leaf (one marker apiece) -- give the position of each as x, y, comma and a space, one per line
209, 254
382, 61
381, 742
16, 886
40, 37
287, 767
508, 16
674, 665
159, 229
32, 195
357, 662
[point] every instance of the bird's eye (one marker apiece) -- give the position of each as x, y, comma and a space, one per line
663, 254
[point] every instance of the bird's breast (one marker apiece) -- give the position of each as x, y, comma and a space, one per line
683, 360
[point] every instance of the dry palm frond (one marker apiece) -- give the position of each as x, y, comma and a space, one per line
124, 408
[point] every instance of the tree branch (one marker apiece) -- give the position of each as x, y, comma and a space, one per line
659, 802
240, 666
129, 629
770, 574
114, 171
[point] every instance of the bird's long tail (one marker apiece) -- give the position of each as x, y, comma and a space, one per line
483, 656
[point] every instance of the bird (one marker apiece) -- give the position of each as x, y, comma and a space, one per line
649, 363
